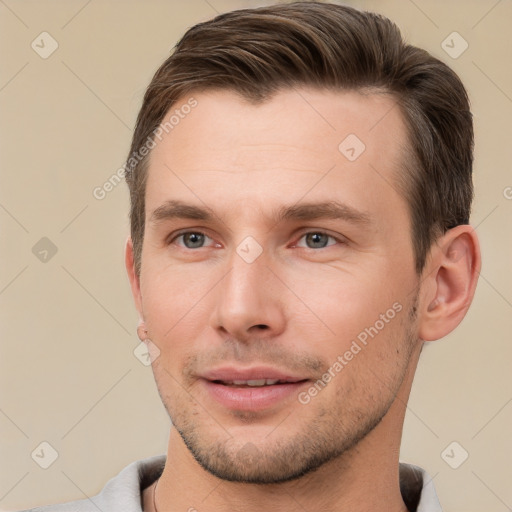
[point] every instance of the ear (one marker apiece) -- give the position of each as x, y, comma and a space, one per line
449, 282
133, 277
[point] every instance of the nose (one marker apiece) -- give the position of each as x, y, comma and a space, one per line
249, 301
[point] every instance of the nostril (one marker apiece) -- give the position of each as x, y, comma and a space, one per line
262, 326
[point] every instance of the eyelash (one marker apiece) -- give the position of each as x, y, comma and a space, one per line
316, 232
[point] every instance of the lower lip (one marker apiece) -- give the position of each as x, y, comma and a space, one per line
252, 398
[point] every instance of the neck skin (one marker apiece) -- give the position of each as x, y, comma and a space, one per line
366, 479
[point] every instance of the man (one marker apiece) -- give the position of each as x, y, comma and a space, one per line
300, 183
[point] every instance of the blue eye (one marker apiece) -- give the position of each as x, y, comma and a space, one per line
317, 240
192, 239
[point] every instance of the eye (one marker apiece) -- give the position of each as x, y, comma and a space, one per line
191, 239
317, 240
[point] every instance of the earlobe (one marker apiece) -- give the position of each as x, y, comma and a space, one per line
142, 332
452, 275
133, 277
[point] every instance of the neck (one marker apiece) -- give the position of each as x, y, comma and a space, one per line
352, 483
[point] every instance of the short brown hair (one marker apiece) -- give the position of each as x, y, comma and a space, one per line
256, 52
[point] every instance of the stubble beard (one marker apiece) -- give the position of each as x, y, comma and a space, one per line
331, 434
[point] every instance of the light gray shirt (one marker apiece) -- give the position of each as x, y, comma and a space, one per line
123, 493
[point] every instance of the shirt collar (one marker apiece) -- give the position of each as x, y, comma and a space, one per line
416, 485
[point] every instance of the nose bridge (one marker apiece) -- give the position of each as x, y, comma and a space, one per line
244, 285
246, 297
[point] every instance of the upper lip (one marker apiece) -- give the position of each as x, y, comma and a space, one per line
231, 373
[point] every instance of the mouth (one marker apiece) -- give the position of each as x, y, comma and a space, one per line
255, 389
254, 383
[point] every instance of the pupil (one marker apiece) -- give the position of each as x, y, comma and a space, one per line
317, 239
194, 240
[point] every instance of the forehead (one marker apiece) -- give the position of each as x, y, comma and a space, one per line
299, 143
317, 119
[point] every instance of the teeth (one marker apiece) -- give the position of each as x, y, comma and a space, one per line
254, 383
260, 382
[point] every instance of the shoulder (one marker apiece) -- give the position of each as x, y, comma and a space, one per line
417, 489
121, 493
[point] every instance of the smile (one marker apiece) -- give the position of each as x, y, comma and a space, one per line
251, 383
251, 389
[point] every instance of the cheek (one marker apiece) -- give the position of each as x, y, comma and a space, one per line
343, 304
368, 348
174, 303
368, 367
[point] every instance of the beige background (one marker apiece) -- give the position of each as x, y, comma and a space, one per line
68, 373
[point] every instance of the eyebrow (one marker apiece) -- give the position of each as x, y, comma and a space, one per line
323, 210
176, 209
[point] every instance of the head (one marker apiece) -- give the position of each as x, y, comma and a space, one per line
300, 184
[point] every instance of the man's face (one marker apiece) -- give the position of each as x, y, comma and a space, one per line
270, 285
